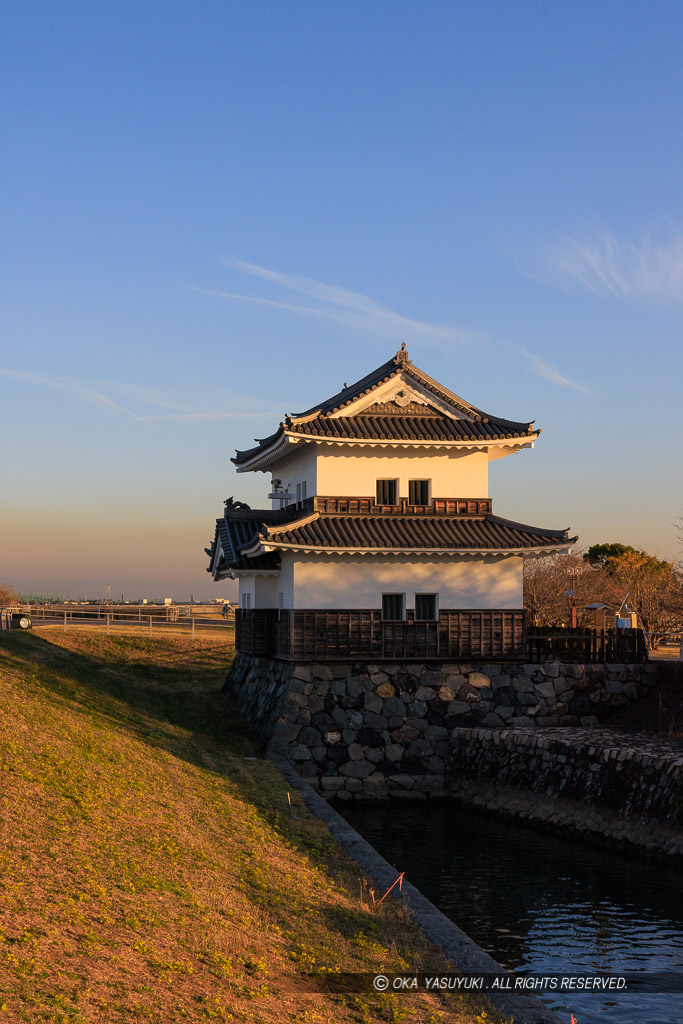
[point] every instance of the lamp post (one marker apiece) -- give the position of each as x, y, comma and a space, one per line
573, 578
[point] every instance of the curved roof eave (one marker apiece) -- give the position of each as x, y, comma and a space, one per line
473, 552
400, 363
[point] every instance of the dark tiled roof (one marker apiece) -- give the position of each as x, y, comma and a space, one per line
371, 380
262, 444
432, 425
400, 363
238, 533
410, 428
486, 533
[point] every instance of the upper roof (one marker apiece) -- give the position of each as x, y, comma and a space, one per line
409, 427
374, 411
400, 363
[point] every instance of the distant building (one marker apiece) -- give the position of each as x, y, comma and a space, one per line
381, 540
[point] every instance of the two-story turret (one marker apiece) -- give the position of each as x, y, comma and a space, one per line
381, 541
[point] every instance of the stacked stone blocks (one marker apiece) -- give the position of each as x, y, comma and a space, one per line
386, 730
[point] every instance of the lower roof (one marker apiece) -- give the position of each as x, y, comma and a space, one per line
226, 550
397, 534
251, 540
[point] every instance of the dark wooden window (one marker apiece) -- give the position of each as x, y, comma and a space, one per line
393, 607
425, 606
386, 492
418, 492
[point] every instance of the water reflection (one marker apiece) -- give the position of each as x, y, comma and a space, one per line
541, 902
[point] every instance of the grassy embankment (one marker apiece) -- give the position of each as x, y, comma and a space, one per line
151, 872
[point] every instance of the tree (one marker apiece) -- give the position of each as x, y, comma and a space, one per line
614, 574
651, 587
600, 554
8, 595
546, 582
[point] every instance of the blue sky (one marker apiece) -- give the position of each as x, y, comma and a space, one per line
214, 213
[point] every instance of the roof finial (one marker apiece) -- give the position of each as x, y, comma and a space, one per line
402, 355
403, 346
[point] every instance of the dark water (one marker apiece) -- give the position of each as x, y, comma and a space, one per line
541, 903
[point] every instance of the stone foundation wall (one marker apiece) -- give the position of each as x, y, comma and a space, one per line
509, 738
622, 787
260, 689
385, 730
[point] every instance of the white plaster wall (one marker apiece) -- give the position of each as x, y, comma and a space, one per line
354, 471
286, 581
267, 591
247, 586
348, 581
294, 468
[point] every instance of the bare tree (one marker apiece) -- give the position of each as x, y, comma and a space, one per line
8, 596
552, 583
679, 530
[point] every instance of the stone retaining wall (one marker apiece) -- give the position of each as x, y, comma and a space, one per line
622, 787
510, 738
371, 730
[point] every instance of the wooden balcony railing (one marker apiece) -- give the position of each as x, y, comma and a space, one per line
470, 635
359, 634
368, 506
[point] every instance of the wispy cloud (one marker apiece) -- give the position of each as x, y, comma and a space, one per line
339, 304
549, 373
95, 395
650, 270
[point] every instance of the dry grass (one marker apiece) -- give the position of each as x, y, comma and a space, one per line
667, 652
151, 873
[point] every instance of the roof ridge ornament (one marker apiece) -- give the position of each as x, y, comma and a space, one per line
402, 354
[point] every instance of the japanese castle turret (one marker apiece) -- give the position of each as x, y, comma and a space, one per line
381, 542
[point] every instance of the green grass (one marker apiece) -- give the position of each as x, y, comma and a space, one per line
150, 872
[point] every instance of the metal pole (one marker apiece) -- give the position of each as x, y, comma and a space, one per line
107, 622
65, 622
193, 629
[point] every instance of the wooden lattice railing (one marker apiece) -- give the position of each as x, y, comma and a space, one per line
470, 634
343, 634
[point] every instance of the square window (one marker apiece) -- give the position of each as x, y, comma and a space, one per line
418, 492
425, 607
393, 607
387, 492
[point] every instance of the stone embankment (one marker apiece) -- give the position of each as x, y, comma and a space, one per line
385, 730
519, 739
625, 788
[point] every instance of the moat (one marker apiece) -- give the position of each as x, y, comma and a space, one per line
540, 902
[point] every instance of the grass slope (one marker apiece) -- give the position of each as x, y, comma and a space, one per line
151, 872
